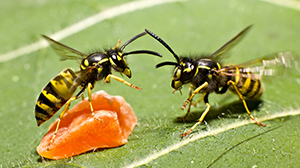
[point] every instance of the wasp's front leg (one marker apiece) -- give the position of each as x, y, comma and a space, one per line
197, 90
189, 108
201, 118
107, 80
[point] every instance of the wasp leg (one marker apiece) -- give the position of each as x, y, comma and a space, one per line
90, 98
107, 80
82, 96
89, 87
244, 102
60, 117
67, 106
197, 90
189, 108
186, 114
201, 118
199, 100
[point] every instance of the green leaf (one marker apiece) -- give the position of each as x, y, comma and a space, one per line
229, 139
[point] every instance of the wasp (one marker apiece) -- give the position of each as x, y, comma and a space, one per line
93, 67
206, 75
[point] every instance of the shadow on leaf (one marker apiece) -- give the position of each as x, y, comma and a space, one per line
232, 110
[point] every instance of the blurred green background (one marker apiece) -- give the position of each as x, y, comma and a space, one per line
189, 27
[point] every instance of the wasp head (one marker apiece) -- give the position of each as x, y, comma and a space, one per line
117, 57
185, 68
118, 62
183, 73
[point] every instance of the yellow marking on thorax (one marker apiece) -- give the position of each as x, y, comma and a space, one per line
86, 62
196, 71
219, 66
82, 67
204, 67
103, 60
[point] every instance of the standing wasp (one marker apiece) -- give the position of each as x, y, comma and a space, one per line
94, 67
206, 75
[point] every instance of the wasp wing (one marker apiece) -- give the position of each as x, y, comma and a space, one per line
277, 64
226, 47
66, 53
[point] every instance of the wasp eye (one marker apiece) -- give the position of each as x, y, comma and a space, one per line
187, 73
177, 73
118, 62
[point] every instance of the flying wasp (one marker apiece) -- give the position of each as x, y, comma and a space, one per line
206, 75
93, 67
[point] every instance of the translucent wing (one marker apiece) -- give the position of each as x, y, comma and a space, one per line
279, 64
226, 47
82, 74
64, 51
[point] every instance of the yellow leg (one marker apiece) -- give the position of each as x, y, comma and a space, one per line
107, 80
60, 117
199, 121
89, 87
244, 102
90, 98
201, 98
67, 106
189, 108
197, 90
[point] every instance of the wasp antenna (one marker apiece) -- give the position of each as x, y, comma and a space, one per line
163, 43
166, 63
142, 52
132, 39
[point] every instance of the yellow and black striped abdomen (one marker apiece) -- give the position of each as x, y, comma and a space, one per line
55, 94
247, 83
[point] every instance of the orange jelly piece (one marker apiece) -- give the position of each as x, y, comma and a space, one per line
79, 131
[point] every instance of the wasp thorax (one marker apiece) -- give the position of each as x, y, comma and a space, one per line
93, 60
